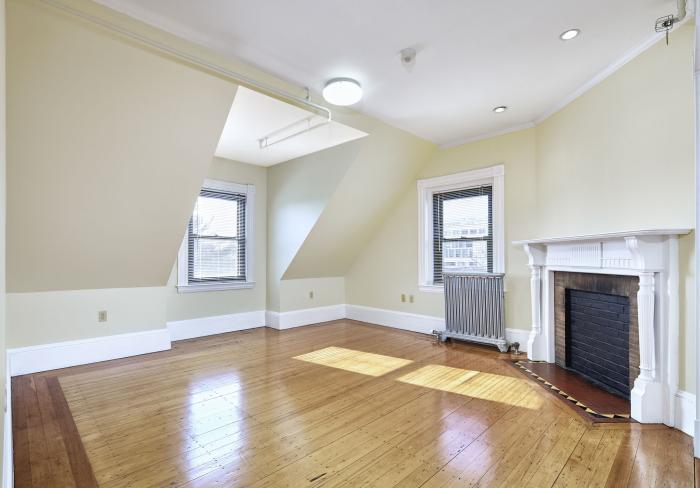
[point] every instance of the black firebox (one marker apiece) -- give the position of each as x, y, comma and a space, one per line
597, 339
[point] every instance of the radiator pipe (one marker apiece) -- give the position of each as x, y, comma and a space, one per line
682, 11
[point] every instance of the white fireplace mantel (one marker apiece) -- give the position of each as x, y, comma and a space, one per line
650, 254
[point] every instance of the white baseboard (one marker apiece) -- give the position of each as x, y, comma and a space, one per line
45, 357
272, 319
424, 324
219, 324
685, 412
299, 318
8, 469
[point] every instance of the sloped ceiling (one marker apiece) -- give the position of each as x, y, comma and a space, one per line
386, 164
108, 144
254, 115
298, 192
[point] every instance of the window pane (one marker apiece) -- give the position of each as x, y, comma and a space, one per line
215, 217
214, 258
465, 257
466, 217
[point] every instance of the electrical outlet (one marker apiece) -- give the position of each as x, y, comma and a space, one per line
403, 297
102, 316
410, 298
311, 295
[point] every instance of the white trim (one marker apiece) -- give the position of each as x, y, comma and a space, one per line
218, 324
225, 186
431, 288
308, 316
183, 285
230, 285
8, 471
607, 236
272, 319
486, 135
425, 324
685, 412
493, 175
45, 357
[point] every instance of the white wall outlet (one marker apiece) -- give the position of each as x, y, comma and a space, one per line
102, 316
311, 295
403, 297
410, 298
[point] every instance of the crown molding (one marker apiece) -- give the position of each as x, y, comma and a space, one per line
609, 70
487, 135
210, 42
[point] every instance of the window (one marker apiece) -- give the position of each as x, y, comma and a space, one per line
216, 251
460, 225
463, 231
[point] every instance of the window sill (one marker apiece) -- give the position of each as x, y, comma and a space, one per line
431, 288
199, 287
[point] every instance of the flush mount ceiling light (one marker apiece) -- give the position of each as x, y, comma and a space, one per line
568, 35
342, 91
500, 109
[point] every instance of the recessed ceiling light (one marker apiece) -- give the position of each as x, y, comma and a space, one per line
570, 34
342, 91
500, 109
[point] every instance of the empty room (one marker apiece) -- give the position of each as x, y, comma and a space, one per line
325, 243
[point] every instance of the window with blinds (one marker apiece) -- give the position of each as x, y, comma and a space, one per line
216, 238
463, 231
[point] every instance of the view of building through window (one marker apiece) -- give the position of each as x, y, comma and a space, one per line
465, 233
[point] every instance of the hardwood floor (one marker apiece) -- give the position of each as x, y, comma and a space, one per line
337, 405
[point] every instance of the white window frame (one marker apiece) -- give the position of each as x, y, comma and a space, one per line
183, 285
493, 176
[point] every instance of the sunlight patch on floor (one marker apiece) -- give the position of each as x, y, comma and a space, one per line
476, 384
354, 361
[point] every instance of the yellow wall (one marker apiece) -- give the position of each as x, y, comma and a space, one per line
105, 138
184, 306
619, 157
388, 267
297, 192
65, 315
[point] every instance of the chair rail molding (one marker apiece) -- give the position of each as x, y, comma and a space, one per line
651, 255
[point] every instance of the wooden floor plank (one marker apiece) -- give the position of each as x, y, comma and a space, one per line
342, 404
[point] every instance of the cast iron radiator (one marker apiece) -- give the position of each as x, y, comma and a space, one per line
474, 309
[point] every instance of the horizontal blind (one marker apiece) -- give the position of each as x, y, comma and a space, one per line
216, 238
463, 231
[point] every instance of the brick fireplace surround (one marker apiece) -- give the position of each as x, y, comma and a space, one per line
650, 258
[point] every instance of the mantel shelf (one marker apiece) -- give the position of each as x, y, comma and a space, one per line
607, 236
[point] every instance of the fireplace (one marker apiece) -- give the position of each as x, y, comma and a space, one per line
636, 272
595, 328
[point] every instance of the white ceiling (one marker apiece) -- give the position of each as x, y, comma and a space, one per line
254, 116
472, 54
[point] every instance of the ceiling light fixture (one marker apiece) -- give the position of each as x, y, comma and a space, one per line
568, 35
342, 91
500, 109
